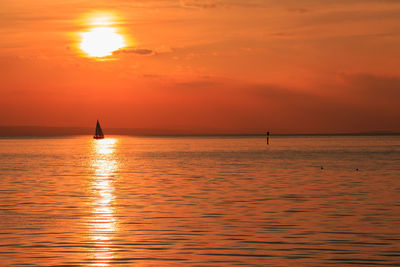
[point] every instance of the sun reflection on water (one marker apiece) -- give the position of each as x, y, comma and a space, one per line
102, 222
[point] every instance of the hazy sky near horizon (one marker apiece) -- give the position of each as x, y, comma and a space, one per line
205, 65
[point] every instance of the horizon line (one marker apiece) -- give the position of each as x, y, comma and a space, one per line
34, 130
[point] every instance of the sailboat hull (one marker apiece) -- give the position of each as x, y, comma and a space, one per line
98, 137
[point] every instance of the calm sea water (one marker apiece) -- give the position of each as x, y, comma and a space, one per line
76, 201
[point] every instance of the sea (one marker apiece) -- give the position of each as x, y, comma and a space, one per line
200, 201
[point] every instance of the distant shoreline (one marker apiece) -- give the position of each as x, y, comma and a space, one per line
42, 131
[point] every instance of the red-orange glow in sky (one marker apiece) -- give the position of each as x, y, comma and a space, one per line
212, 66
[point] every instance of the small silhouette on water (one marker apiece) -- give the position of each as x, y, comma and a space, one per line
99, 132
357, 169
267, 138
322, 167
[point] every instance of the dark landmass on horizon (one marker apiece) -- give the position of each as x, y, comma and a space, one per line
9, 131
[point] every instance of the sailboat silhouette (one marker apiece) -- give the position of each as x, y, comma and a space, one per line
99, 133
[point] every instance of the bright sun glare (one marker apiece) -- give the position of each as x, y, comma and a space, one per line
102, 39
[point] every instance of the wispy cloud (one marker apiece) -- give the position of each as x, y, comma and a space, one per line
144, 51
376, 88
139, 51
199, 3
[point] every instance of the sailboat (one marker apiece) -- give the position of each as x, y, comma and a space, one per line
99, 133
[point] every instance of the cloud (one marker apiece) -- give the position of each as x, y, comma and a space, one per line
138, 51
144, 51
199, 3
373, 86
199, 84
299, 10
363, 103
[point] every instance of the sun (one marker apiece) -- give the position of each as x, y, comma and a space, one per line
101, 41
102, 38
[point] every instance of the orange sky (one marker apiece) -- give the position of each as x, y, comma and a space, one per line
212, 66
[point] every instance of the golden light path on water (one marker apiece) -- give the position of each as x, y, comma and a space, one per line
102, 37
103, 225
